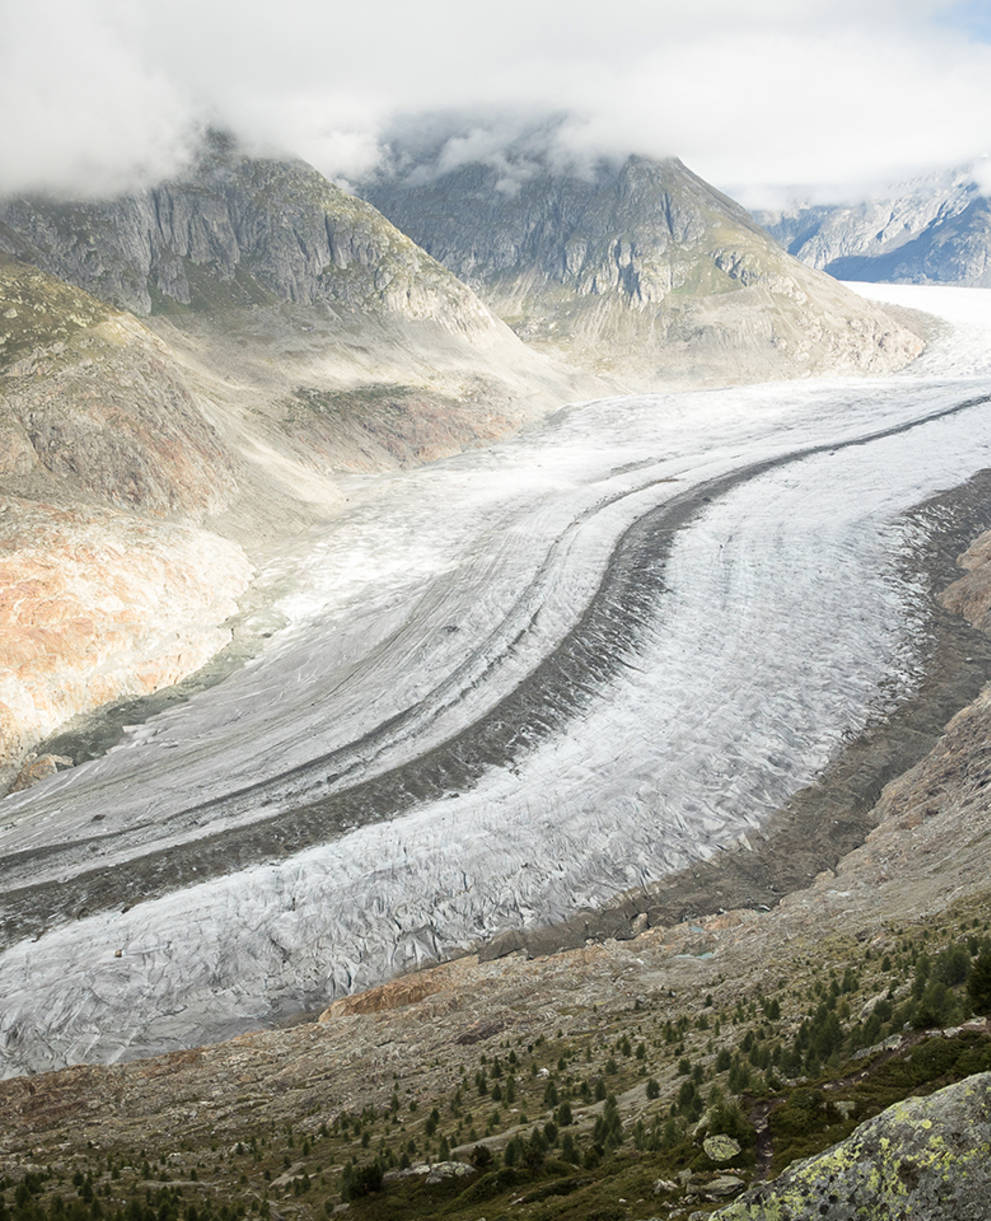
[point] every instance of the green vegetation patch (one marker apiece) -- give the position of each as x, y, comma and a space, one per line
38, 311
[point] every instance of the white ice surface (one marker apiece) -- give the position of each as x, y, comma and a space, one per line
786, 626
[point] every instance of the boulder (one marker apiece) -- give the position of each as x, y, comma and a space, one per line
923, 1157
721, 1148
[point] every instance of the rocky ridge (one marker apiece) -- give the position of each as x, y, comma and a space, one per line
238, 231
641, 271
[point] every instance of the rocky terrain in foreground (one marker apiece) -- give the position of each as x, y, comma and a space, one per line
658, 1076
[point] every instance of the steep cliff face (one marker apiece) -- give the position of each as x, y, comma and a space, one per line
641, 269
933, 230
238, 232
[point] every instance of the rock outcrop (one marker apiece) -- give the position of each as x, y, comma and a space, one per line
924, 1157
639, 270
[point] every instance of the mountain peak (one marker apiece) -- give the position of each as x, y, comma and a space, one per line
930, 229
639, 268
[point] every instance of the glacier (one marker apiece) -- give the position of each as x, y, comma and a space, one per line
509, 686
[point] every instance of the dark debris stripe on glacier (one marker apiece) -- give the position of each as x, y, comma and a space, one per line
601, 642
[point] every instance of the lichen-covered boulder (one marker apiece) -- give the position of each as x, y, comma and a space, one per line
720, 1148
924, 1157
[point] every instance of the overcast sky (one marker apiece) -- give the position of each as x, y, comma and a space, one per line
100, 95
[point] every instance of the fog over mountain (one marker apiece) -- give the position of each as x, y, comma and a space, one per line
110, 96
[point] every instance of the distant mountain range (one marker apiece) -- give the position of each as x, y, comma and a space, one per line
932, 230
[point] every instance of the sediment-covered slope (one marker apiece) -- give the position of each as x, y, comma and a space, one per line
933, 230
641, 270
96, 605
109, 585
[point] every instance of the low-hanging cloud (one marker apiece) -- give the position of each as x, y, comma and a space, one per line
103, 95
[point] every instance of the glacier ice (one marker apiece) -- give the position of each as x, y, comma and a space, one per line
722, 677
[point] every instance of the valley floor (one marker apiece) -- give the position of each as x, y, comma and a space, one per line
646, 627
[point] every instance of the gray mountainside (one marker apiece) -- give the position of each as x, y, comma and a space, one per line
641, 270
184, 375
351, 345
933, 230
237, 232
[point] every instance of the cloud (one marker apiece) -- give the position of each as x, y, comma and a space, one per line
981, 173
83, 108
112, 93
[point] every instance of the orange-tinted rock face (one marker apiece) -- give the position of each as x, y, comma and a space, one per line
104, 454
100, 606
39, 767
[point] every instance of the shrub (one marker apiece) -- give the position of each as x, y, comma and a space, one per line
608, 1132
936, 1006
979, 984
952, 966
481, 1157
359, 1181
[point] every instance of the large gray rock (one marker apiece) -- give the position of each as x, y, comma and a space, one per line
922, 1158
721, 1148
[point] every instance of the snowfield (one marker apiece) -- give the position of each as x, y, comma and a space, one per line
511, 685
